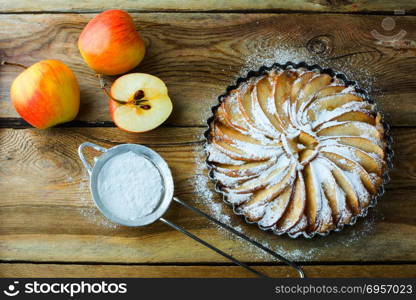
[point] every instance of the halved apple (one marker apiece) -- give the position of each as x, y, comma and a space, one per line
139, 102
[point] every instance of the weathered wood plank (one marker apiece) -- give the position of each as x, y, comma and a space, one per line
198, 55
209, 5
46, 213
20, 270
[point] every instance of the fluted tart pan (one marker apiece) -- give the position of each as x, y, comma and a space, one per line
298, 149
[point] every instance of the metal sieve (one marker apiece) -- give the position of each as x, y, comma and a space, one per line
166, 199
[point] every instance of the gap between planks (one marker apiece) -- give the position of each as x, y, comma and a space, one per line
53, 270
214, 264
215, 11
18, 123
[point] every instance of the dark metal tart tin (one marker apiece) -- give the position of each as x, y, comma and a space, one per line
335, 74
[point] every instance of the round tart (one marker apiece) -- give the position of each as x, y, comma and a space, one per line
297, 150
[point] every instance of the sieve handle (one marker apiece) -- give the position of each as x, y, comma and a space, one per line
208, 245
244, 237
82, 157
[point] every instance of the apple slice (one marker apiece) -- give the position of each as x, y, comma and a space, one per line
276, 208
218, 157
330, 103
266, 178
313, 198
345, 184
359, 177
265, 98
140, 102
282, 91
317, 209
355, 115
299, 84
325, 218
295, 209
247, 169
334, 193
222, 116
255, 207
330, 90
252, 112
232, 114
244, 149
315, 84
300, 226
351, 128
243, 154
359, 143
229, 182
322, 93
231, 151
262, 98
371, 163
342, 115
236, 137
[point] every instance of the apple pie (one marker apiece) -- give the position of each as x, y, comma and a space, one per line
297, 150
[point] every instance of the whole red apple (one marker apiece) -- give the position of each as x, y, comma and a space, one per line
110, 44
46, 94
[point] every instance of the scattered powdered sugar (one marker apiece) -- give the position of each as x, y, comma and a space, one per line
282, 53
88, 209
69, 178
95, 217
267, 56
204, 189
368, 226
129, 186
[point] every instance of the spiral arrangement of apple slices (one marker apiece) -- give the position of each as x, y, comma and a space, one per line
297, 151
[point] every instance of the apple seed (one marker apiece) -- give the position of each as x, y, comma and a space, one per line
138, 95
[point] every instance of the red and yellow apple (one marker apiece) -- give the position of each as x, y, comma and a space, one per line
46, 94
110, 44
139, 102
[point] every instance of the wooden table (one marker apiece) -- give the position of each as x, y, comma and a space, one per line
48, 224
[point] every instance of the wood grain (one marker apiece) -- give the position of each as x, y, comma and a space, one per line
198, 55
19, 270
46, 213
209, 5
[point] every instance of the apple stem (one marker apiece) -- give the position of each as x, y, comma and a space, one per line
3, 62
103, 86
137, 99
